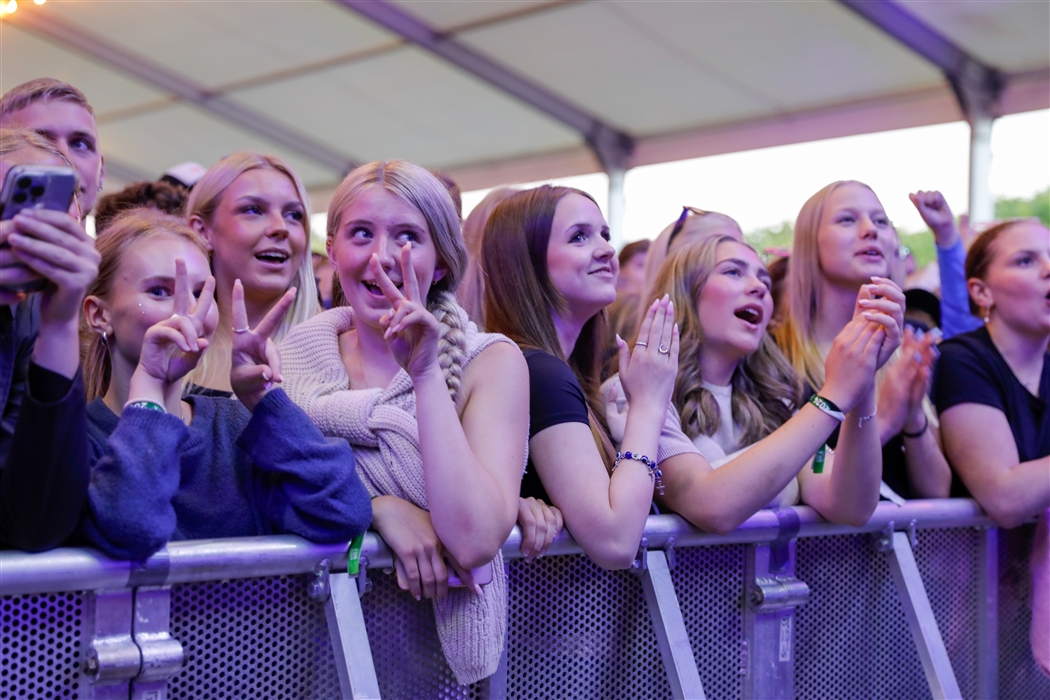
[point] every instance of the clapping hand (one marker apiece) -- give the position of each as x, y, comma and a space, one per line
255, 363
882, 302
648, 371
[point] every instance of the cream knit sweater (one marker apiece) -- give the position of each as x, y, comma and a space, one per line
380, 424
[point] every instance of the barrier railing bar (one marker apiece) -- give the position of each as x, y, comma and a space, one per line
916, 604
671, 634
73, 569
988, 614
350, 648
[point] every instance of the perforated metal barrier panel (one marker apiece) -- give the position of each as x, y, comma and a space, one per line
41, 646
575, 631
253, 638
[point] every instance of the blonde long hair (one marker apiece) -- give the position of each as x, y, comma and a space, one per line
421, 190
766, 390
471, 292
128, 228
204, 200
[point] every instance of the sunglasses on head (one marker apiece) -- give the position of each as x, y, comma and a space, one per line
680, 224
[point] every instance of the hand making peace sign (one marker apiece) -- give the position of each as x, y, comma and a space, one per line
172, 348
411, 330
255, 363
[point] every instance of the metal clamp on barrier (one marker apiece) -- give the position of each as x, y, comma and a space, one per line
769, 594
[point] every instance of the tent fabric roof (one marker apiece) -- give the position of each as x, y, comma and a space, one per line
323, 86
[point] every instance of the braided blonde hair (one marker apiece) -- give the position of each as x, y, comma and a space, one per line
420, 189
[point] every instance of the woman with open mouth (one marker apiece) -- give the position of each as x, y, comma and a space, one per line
739, 401
254, 213
993, 391
434, 409
844, 244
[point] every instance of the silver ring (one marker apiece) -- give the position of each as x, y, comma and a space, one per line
664, 350
644, 345
241, 330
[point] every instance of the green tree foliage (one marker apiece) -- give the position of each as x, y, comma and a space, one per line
1038, 205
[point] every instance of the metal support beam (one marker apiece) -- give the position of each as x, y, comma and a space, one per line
935, 662
671, 635
977, 86
45, 24
346, 627
162, 654
988, 614
112, 657
612, 147
617, 206
771, 595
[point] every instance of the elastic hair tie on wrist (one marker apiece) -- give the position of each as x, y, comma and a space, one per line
925, 427
654, 471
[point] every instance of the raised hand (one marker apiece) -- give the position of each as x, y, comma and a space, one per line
934, 210
411, 330
648, 371
882, 302
255, 363
172, 348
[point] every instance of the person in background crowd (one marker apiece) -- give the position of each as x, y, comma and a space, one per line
951, 256
778, 270
691, 226
623, 318
471, 292
165, 468
844, 241
992, 389
184, 175
324, 273
254, 212
453, 191
61, 114
922, 311
435, 410
43, 450
738, 398
632, 267
162, 196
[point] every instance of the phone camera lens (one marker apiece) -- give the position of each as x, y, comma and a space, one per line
36, 191
24, 182
19, 197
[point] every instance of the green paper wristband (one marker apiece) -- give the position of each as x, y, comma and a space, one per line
353, 562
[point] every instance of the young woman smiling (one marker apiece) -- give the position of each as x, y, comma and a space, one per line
254, 213
435, 410
844, 243
168, 468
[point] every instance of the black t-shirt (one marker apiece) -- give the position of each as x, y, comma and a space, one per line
971, 370
555, 397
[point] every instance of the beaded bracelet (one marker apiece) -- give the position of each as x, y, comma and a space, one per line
654, 471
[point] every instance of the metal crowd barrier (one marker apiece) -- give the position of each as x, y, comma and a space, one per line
926, 600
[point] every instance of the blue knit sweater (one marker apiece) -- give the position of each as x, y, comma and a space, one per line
230, 473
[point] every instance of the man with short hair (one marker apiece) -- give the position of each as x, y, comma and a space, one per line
61, 114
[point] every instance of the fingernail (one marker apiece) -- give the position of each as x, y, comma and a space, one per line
918, 356
919, 334
477, 589
868, 315
619, 340
865, 302
666, 297
419, 598
875, 278
268, 386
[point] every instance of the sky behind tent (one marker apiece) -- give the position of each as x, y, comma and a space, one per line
766, 187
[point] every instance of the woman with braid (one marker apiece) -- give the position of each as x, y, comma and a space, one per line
437, 412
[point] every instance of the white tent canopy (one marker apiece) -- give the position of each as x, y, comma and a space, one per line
517, 91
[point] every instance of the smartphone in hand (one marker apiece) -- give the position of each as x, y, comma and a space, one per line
35, 187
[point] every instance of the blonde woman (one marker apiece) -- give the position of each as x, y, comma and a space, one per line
437, 412
845, 243
254, 213
739, 400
